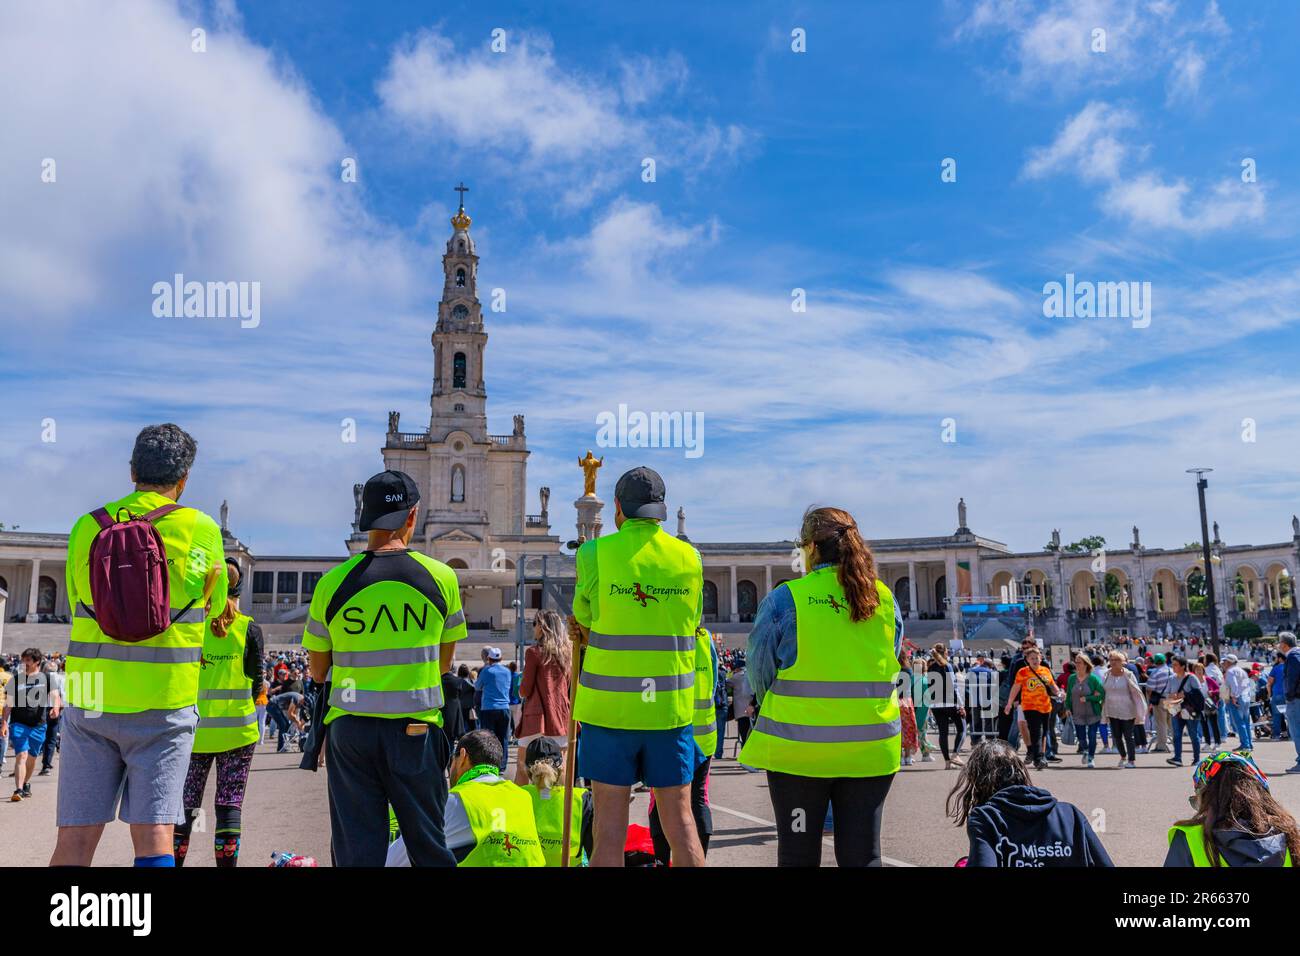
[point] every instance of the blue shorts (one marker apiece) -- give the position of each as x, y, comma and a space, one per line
24, 739
623, 758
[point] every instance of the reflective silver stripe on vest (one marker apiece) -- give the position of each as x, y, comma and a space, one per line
635, 685
837, 689
851, 734
455, 620
705, 704
386, 656
705, 729
245, 693
243, 720
641, 642
386, 701
189, 616
317, 628
135, 653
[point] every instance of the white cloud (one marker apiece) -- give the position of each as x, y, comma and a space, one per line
1185, 77
1090, 144
216, 164
525, 108
1050, 45
1095, 146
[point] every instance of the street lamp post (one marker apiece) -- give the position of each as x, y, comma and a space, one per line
1201, 485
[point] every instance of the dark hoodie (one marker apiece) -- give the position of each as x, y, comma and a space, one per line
1236, 848
1027, 826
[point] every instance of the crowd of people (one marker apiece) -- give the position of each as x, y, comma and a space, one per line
165, 680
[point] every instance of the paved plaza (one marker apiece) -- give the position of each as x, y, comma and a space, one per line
287, 809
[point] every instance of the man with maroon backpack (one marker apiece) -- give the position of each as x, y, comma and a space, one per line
143, 573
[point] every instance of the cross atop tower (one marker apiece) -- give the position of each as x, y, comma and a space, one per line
462, 189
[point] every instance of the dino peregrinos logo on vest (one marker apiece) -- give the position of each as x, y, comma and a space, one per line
643, 594
830, 602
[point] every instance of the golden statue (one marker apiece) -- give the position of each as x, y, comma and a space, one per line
589, 466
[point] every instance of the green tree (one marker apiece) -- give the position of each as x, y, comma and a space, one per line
1085, 545
1243, 631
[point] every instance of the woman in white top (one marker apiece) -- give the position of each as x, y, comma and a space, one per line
1123, 706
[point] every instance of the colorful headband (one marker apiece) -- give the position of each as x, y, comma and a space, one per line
1209, 766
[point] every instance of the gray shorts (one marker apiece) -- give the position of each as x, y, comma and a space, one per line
138, 759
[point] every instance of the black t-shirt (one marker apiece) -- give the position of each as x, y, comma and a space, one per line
32, 691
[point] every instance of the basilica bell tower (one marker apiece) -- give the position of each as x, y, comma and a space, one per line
459, 399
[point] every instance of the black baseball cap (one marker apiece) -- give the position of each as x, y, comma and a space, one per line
543, 748
640, 493
386, 499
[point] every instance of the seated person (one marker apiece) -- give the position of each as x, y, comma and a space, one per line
1010, 822
489, 820
1237, 822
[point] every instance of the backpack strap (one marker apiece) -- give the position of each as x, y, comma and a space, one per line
159, 512
102, 517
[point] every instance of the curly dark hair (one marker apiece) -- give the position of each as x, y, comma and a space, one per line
992, 766
163, 455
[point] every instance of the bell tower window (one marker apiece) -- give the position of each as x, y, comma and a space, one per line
458, 370
460, 278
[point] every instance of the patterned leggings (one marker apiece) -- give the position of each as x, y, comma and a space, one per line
232, 778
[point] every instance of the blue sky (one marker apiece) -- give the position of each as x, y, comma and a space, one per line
775, 170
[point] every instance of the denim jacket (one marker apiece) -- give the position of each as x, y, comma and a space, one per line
773, 643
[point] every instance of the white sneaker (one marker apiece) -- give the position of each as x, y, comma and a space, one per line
907, 761
1131, 765
1142, 750
1090, 765
927, 758
1121, 765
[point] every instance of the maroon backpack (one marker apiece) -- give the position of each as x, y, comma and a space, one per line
128, 576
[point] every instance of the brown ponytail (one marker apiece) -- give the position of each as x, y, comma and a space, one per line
834, 534
221, 623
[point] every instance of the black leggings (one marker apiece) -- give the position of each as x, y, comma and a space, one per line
699, 809
800, 803
1124, 735
1210, 727
1037, 721
943, 716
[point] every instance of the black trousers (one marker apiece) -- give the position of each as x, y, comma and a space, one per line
373, 762
1122, 732
944, 716
497, 721
1037, 721
1005, 722
699, 809
800, 803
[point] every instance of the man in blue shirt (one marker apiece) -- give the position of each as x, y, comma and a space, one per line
492, 700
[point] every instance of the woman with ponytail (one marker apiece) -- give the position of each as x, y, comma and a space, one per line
230, 682
823, 663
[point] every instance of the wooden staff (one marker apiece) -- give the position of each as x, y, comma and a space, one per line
570, 751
